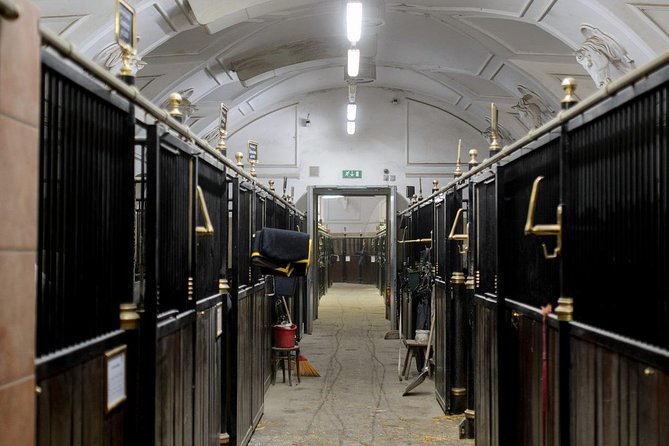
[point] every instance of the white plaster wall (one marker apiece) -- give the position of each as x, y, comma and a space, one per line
409, 138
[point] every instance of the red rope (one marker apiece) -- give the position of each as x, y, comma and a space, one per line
544, 372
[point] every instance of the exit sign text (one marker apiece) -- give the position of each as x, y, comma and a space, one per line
351, 173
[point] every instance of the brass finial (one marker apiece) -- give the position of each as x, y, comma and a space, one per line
494, 139
569, 86
174, 101
271, 185
565, 309
435, 185
239, 156
473, 162
458, 169
126, 69
128, 316
253, 168
414, 199
223, 286
221, 147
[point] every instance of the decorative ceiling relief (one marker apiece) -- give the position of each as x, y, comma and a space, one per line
187, 108
212, 136
532, 110
110, 58
503, 134
601, 56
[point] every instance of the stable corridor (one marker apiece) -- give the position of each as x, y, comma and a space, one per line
358, 398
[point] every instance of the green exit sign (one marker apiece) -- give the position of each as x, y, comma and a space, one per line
351, 173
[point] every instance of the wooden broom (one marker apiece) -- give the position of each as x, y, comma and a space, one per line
306, 368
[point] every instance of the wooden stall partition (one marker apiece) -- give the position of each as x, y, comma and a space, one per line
249, 322
84, 261
170, 299
174, 380
211, 231
72, 408
485, 372
524, 275
442, 340
208, 372
620, 390
442, 351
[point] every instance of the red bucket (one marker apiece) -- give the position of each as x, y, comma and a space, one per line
284, 336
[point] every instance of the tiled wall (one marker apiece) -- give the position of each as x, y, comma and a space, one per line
19, 116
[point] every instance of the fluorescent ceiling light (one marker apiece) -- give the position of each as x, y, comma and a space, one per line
353, 62
351, 110
330, 197
350, 127
351, 92
353, 21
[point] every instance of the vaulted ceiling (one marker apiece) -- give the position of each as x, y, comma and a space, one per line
459, 55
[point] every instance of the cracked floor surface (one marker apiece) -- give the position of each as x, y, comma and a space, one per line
358, 398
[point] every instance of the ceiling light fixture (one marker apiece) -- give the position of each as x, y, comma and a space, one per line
350, 127
351, 111
351, 92
353, 21
353, 66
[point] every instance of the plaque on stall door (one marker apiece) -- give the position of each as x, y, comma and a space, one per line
115, 377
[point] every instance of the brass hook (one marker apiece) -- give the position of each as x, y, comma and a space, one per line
460, 237
554, 229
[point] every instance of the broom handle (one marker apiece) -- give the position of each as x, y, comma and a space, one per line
429, 343
283, 299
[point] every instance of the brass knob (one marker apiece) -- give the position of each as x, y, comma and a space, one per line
174, 101
435, 185
239, 156
271, 185
128, 316
569, 86
473, 161
565, 309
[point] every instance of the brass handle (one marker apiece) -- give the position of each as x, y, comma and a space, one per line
464, 237
554, 229
208, 228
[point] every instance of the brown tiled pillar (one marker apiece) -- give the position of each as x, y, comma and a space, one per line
19, 117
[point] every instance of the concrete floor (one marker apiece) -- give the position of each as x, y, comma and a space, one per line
358, 398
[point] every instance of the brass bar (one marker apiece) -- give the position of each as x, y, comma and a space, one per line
452, 235
552, 229
419, 240
8, 10
208, 228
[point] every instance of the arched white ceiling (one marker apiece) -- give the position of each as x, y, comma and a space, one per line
458, 55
